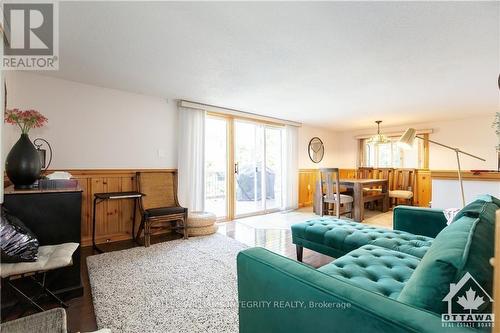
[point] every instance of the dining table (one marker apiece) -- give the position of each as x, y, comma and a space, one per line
363, 191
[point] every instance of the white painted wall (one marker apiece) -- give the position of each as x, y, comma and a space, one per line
329, 138
92, 127
446, 192
473, 135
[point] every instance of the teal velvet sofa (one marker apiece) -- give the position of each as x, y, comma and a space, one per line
382, 280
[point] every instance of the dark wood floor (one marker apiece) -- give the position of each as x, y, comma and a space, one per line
81, 311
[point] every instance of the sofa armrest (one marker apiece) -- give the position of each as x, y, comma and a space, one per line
50, 321
419, 221
277, 294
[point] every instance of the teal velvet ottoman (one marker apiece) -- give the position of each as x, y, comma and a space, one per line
335, 237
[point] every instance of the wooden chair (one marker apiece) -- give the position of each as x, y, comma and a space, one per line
329, 194
364, 173
403, 183
380, 173
386, 173
368, 192
159, 206
383, 173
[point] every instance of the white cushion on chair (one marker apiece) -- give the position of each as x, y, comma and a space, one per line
401, 194
49, 257
343, 198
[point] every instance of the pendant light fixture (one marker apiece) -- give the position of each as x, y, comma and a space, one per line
378, 138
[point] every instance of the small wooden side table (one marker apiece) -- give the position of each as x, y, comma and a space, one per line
100, 197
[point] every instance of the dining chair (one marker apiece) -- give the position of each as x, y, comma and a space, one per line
403, 186
364, 173
386, 173
330, 195
159, 206
380, 173
383, 173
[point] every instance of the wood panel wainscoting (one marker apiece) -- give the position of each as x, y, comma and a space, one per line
113, 217
307, 179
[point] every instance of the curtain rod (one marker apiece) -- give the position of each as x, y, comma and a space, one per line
243, 114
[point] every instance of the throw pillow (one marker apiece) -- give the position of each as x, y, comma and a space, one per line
17, 242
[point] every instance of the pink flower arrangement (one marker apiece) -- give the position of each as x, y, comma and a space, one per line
26, 119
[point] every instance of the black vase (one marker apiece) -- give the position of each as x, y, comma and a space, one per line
23, 165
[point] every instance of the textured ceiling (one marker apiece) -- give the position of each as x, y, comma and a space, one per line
339, 65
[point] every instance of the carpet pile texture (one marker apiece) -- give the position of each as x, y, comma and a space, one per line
176, 286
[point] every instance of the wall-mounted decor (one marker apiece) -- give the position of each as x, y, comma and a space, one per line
316, 150
23, 164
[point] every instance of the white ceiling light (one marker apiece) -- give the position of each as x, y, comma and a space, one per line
378, 138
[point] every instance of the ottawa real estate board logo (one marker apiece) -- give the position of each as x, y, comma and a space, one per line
30, 35
469, 305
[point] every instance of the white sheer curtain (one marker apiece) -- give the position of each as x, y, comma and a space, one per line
191, 159
290, 168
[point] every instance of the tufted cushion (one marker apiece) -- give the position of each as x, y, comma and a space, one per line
407, 243
346, 236
374, 268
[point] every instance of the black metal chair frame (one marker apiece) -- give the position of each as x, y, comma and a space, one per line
40, 280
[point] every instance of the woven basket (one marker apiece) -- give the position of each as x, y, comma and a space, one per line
200, 219
202, 231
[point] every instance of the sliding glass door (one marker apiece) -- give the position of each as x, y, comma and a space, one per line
273, 162
248, 166
257, 166
252, 152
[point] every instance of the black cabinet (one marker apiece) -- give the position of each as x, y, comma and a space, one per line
55, 217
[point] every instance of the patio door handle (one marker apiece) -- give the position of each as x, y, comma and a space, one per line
236, 168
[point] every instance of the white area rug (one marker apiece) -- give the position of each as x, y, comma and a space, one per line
176, 286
